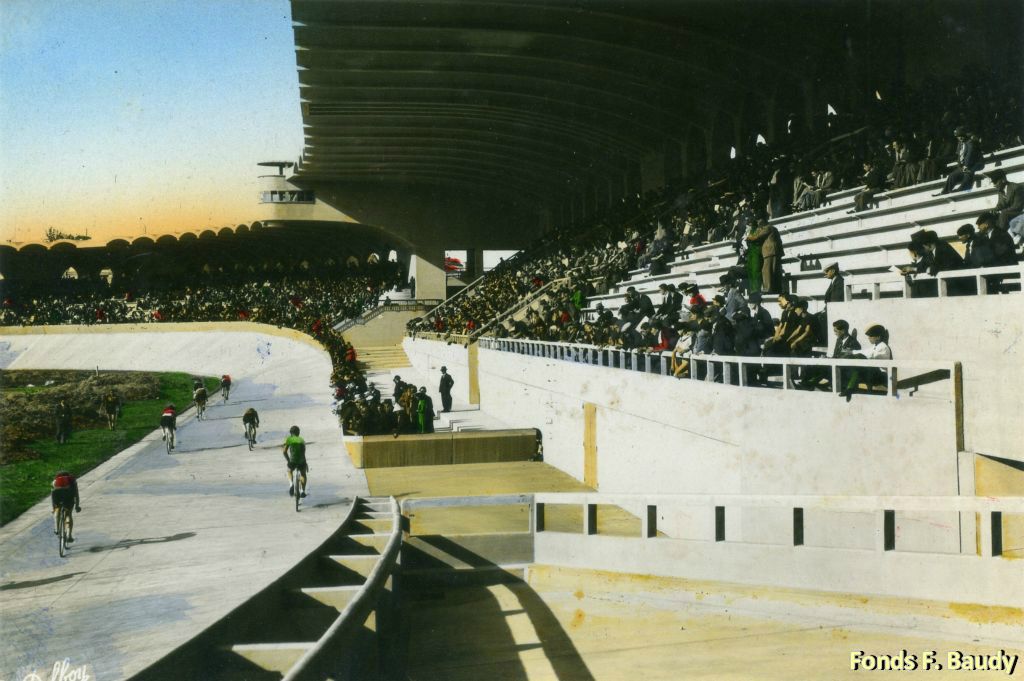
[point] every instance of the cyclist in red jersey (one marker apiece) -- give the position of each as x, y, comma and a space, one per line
169, 422
65, 493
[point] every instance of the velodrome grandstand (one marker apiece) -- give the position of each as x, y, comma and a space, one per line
745, 404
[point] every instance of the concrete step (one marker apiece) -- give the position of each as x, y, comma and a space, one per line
273, 657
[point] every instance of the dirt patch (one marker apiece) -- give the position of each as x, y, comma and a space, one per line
29, 398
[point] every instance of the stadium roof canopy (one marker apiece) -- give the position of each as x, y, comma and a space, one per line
534, 97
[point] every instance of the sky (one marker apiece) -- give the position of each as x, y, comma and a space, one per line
130, 117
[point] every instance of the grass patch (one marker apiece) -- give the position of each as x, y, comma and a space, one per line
24, 482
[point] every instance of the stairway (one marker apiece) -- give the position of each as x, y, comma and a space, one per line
265, 638
381, 358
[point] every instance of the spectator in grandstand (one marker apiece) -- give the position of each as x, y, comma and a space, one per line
874, 182
671, 301
977, 249
968, 159
1003, 252
780, 188
878, 339
941, 257
638, 306
761, 320
1010, 204
771, 256
836, 291
846, 346
683, 347
801, 339
734, 301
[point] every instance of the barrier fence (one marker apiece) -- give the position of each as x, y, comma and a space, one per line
805, 372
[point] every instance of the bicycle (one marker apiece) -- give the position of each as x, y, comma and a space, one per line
250, 435
63, 530
169, 439
297, 487
200, 411
225, 390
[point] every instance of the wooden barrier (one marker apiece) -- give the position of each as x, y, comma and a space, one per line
442, 449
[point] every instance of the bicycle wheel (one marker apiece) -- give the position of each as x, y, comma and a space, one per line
62, 531
169, 440
297, 487
250, 434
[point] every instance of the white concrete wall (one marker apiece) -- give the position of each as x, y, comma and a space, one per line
660, 435
427, 357
984, 333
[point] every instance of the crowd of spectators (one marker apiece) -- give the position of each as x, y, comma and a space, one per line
906, 138
362, 411
311, 304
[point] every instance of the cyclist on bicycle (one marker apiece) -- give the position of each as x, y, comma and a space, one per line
225, 386
250, 418
199, 396
65, 494
295, 455
111, 408
169, 422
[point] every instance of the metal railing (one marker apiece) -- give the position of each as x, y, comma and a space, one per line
334, 646
741, 370
394, 306
908, 286
648, 508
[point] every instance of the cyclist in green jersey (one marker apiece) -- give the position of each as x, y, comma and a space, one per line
294, 452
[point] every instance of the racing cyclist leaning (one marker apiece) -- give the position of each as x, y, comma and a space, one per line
295, 455
251, 416
169, 422
65, 494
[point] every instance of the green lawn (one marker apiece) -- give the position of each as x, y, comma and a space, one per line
24, 483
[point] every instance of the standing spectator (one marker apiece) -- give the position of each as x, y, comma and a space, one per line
1010, 203
969, 161
836, 291
62, 416
424, 411
445, 388
771, 256
753, 259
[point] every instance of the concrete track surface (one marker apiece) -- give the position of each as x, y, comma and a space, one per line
167, 544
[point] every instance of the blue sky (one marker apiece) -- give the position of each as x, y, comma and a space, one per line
122, 117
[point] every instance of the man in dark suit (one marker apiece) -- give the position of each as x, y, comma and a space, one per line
943, 256
977, 250
445, 388
846, 346
836, 291
968, 162
1010, 203
636, 307
999, 240
671, 301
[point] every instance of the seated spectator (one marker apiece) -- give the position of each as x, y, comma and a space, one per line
671, 301
684, 345
977, 249
763, 326
734, 301
944, 257
1003, 252
1010, 204
878, 338
874, 182
802, 336
845, 347
968, 159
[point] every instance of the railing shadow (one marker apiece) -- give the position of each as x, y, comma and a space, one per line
486, 639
